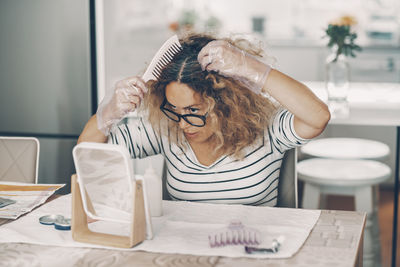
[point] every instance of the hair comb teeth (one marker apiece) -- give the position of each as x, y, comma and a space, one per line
235, 234
164, 56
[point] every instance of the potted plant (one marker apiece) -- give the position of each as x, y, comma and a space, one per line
341, 41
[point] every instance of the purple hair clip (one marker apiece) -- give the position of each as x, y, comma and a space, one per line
235, 234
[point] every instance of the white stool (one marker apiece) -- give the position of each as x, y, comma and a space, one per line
346, 177
346, 148
352, 148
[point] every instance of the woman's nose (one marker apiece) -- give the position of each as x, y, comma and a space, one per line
183, 124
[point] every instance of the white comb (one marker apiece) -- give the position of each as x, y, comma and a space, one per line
163, 56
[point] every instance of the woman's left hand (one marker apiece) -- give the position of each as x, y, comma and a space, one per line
230, 61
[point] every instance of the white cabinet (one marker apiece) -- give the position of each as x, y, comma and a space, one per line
307, 62
376, 65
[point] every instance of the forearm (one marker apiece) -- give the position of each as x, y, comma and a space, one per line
311, 114
91, 133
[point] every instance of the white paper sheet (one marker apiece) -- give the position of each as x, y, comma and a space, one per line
27, 197
183, 229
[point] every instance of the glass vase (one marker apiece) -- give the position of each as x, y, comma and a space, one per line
337, 77
337, 84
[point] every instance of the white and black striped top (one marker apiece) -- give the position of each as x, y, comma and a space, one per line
252, 181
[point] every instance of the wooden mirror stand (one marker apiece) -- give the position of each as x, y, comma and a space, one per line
79, 220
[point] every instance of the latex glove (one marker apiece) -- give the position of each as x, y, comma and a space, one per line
125, 97
230, 61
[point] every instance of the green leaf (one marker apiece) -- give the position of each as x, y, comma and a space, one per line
343, 38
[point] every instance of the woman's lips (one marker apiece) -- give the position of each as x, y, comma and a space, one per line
190, 135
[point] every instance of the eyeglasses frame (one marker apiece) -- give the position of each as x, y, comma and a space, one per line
184, 116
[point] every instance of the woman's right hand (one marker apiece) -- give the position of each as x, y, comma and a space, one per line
124, 98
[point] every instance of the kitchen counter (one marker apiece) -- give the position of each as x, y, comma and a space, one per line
368, 103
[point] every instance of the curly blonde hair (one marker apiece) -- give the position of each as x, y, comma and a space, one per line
240, 115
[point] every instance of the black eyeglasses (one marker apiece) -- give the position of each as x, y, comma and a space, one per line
192, 119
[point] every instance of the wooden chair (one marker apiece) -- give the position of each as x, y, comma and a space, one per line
19, 159
287, 186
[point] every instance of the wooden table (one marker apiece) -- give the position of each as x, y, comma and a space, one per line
336, 240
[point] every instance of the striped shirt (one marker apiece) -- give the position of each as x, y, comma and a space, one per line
252, 180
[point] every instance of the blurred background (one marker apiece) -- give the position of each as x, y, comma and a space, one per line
57, 58
291, 31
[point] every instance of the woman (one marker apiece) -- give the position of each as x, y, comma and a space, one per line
223, 142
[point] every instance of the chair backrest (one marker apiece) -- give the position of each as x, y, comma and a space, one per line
165, 195
287, 187
19, 159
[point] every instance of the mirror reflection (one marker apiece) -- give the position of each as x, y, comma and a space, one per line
105, 181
